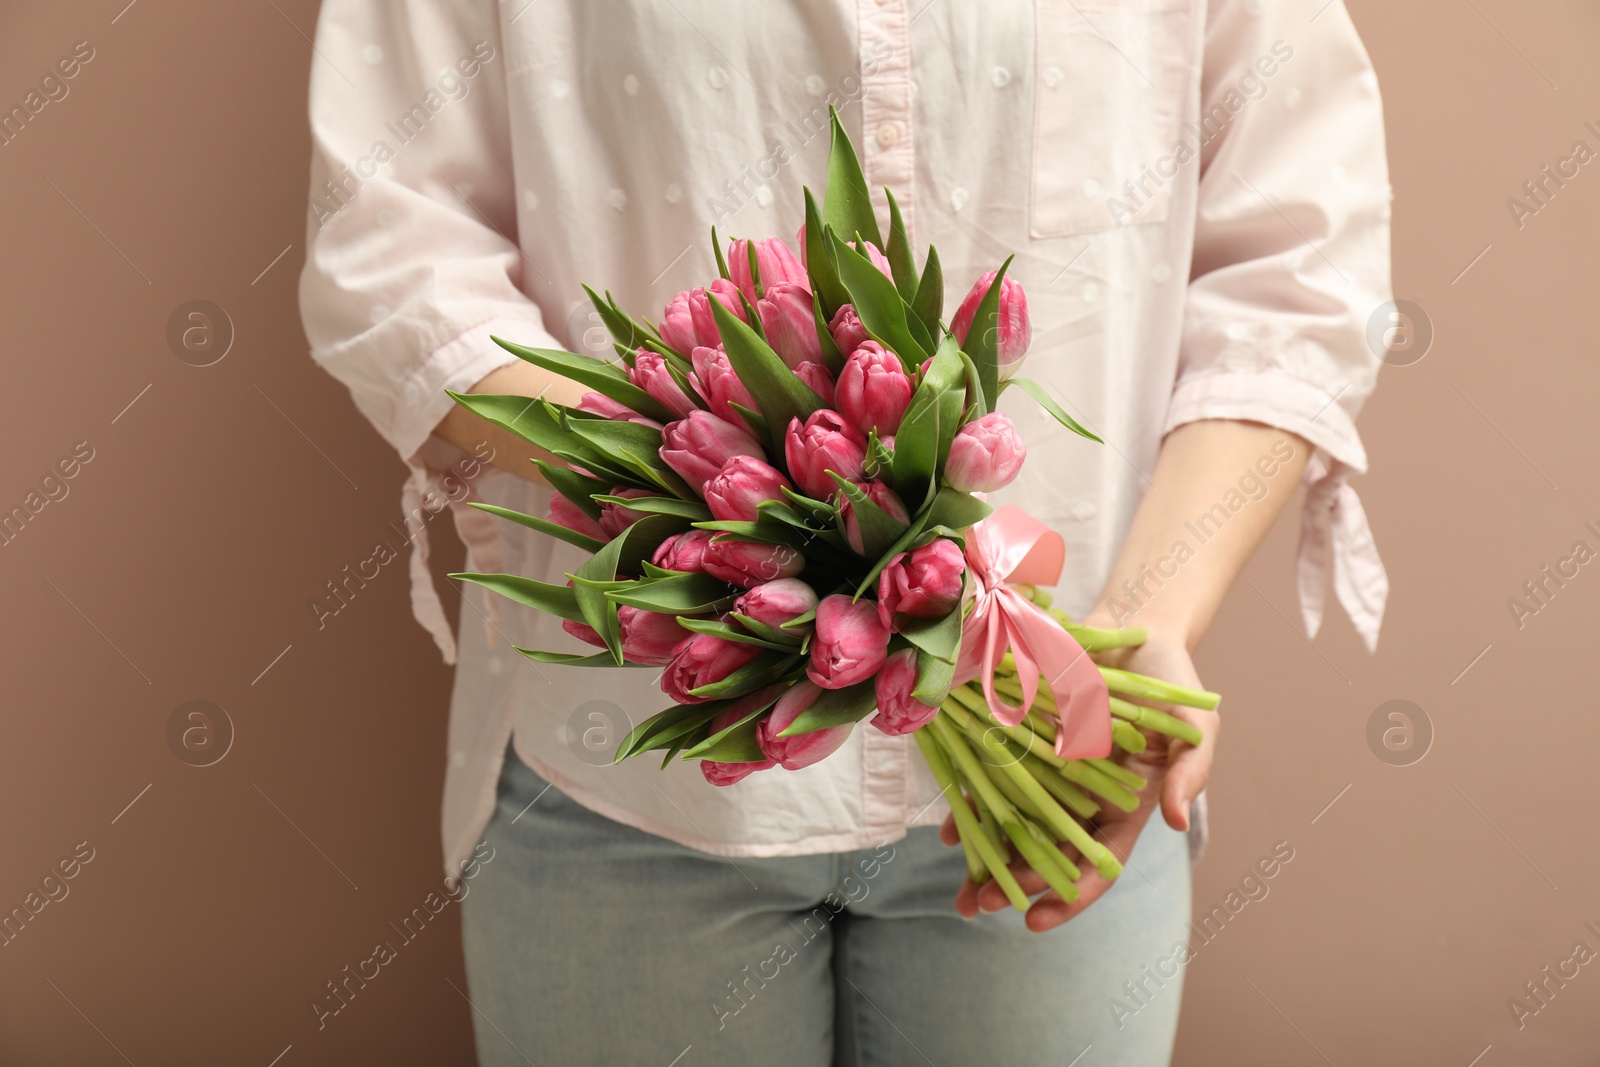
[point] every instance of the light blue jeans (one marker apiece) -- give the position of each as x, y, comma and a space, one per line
593, 944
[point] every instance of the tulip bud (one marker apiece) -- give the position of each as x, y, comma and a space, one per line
817, 379
697, 447
790, 323
614, 518
742, 483
687, 323
582, 631
683, 552
874, 389
564, 512
880, 495
1014, 330
898, 711
825, 442
986, 455
876, 258
718, 773
649, 372
714, 377
773, 259
801, 750
777, 602
850, 644
650, 637
846, 328
703, 660
750, 563
925, 583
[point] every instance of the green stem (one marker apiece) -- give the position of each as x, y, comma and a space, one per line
966, 823
1072, 798
1140, 685
1127, 737
1156, 720
1039, 852
1096, 781
994, 859
1114, 770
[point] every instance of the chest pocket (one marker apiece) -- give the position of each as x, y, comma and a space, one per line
1111, 78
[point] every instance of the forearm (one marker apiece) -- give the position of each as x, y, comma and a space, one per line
1217, 487
461, 427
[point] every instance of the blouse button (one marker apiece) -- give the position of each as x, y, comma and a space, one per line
1091, 189
1083, 511
888, 133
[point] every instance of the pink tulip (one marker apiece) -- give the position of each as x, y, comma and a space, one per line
848, 333
850, 645
750, 563
1014, 331
687, 323
880, 495
582, 631
986, 455
614, 518
697, 447
925, 583
773, 259
777, 602
703, 660
649, 372
898, 711
741, 484
790, 323
875, 257
825, 442
606, 408
683, 552
817, 379
802, 750
719, 773
717, 382
564, 512
874, 389
649, 636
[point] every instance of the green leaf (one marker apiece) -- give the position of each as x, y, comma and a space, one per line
663, 728
819, 261
832, 358
716, 250
1035, 390
901, 263
822, 511
773, 386
527, 417
571, 659
878, 305
590, 583
957, 510
544, 526
928, 425
559, 600
621, 442
643, 538
879, 529
753, 419
939, 638
731, 633
604, 378
625, 331
976, 407
684, 594
763, 670
775, 637
735, 744
692, 510
847, 203
934, 679
575, 487
983, 338
918, 522
835, 707
928, 304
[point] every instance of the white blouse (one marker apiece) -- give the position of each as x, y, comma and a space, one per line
1196, 193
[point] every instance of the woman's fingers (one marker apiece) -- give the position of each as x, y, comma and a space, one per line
1188, 769
967, 900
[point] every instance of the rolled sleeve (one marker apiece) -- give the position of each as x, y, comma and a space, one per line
1290, 262
412, 254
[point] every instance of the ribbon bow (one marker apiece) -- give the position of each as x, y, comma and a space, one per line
1013, 546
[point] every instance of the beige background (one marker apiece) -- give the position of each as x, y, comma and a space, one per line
180, 564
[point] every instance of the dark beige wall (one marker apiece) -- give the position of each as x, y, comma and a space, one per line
179, 564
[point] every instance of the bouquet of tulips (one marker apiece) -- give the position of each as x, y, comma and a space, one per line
781, 487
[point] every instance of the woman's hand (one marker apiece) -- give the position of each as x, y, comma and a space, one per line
1176, 772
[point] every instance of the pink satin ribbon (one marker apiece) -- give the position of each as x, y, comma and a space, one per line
1013, 546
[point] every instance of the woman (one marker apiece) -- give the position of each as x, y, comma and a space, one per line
1197, 196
